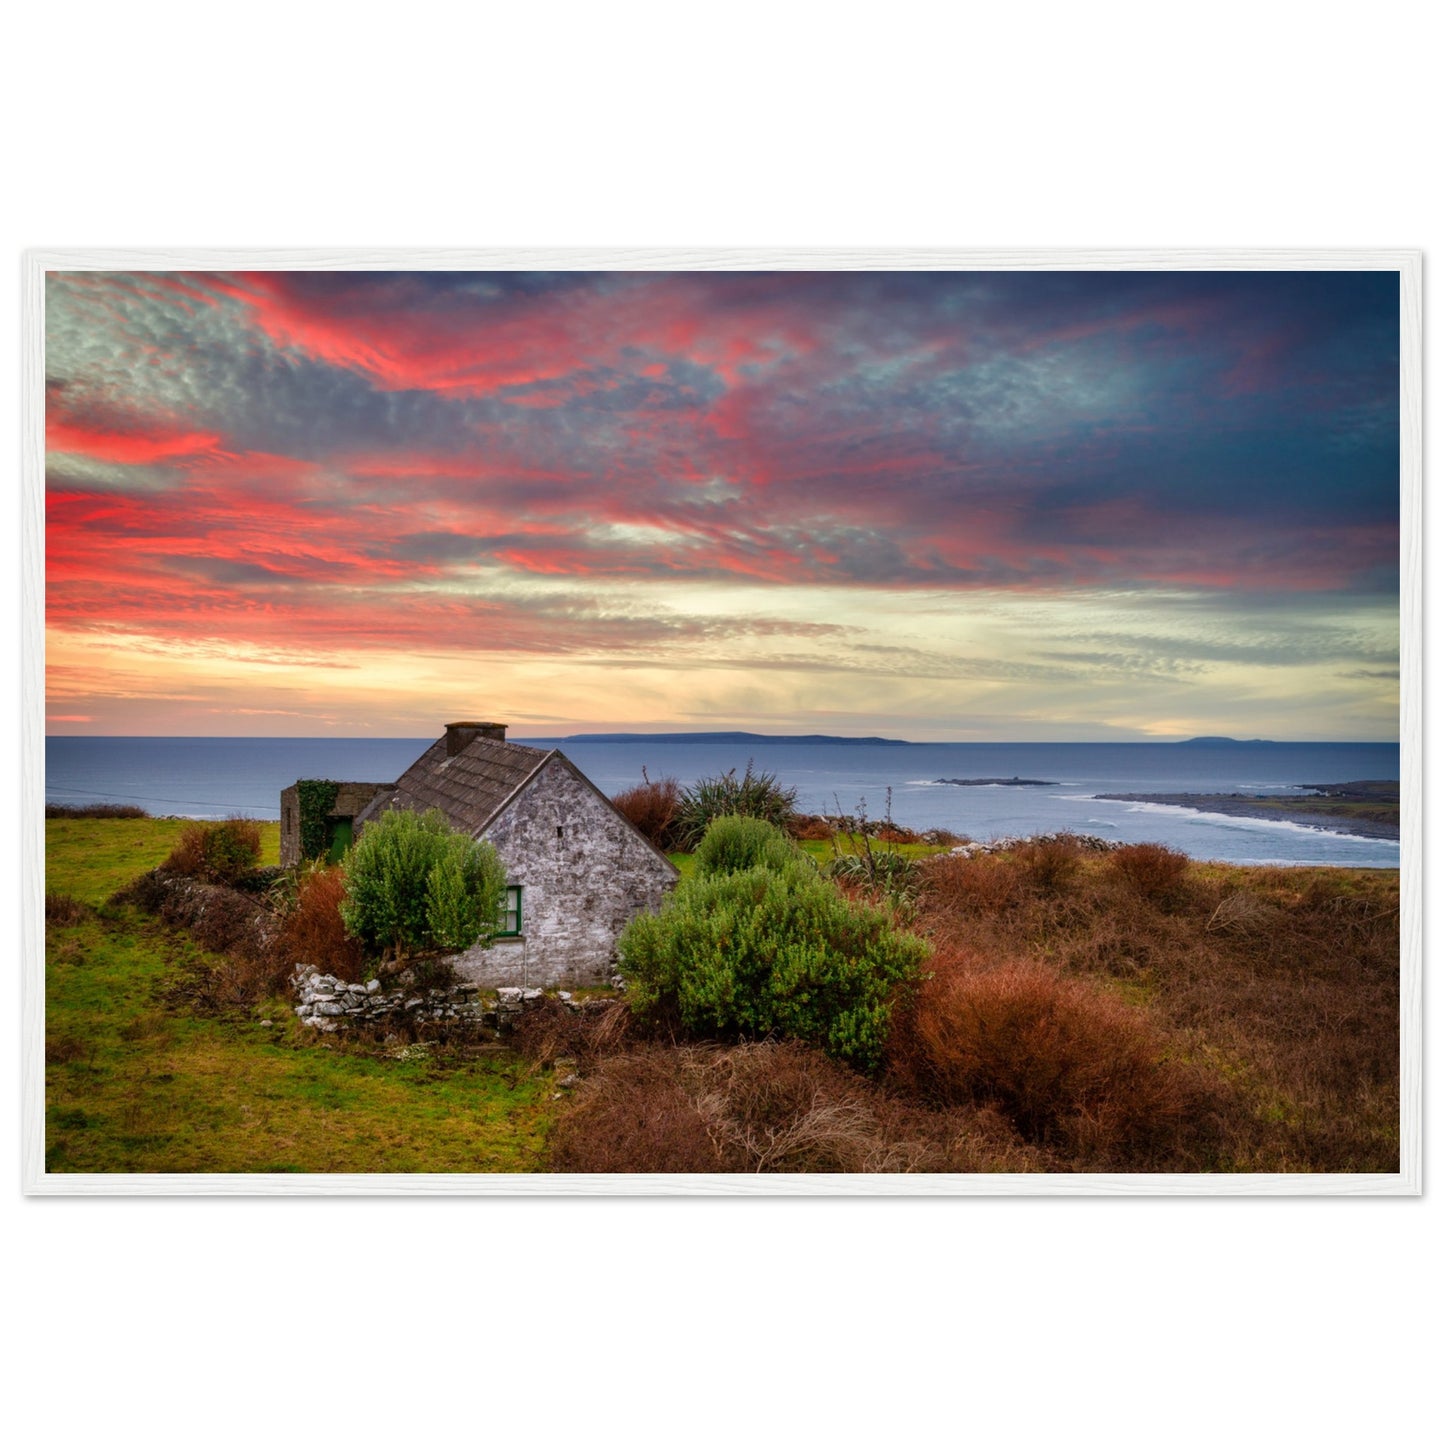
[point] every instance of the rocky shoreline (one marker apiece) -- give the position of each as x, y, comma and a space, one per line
1322, 813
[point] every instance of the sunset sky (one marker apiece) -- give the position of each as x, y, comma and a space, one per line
931, 505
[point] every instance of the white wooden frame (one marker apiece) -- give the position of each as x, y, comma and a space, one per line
1409, 1179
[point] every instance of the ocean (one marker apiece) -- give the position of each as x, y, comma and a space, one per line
215, 777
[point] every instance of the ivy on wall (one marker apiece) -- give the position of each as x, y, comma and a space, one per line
315, 798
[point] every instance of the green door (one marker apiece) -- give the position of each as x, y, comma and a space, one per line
338, 838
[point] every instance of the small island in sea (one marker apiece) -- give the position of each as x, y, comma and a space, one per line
998, 782
1369, 808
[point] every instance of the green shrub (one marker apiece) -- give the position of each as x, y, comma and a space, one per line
771, 951
412, 884
464, 892
754, 795
888, 873
216, 852
733, 844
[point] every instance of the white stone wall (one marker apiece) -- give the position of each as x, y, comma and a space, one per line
585, 872
508, 963
331, 1004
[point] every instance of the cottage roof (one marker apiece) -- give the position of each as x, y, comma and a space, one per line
469, 787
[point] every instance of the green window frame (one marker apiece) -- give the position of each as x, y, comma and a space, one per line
509, 915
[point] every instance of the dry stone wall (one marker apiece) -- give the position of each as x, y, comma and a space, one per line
330, 1004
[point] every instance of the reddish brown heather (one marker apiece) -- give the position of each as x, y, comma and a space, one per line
1283, 983
1049, 863
768, 1108
313, 935
809, 828
651, 808
1070, 1065
1155, 871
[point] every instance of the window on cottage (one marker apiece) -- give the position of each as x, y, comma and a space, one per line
509, 915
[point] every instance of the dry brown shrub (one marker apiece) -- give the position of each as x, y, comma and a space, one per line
1068, 1064
226, 984
810, 828
64, 909
1154, 871
1297, 1008
219, 919
781, 1107
245, 964
313, 935
1241, 912
216, 852
767, 1108
634, 1116
651, 808
952, 883
1049, 864
549, 1030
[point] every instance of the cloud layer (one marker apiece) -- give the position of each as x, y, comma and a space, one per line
333, 471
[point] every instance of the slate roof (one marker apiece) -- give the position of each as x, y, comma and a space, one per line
469, 788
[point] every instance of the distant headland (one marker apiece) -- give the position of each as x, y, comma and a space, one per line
810, 738
816, 739
1224, 742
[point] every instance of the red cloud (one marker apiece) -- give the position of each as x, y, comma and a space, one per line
403, 336
130, 447
594, 415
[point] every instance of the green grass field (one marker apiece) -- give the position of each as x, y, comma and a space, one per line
823, 852
138, 1085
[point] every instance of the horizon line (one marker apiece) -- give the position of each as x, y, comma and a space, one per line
636, 736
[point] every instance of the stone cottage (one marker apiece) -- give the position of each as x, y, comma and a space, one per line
577, 870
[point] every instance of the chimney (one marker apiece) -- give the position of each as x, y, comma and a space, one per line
461, 734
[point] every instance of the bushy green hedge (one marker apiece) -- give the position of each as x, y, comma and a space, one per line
412, 884
770, 949
733, 844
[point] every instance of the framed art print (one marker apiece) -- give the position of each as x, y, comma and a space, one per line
723, 722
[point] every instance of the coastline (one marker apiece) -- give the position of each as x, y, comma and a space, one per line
1322, 814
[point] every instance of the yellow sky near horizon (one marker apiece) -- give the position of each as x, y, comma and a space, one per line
926, 666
